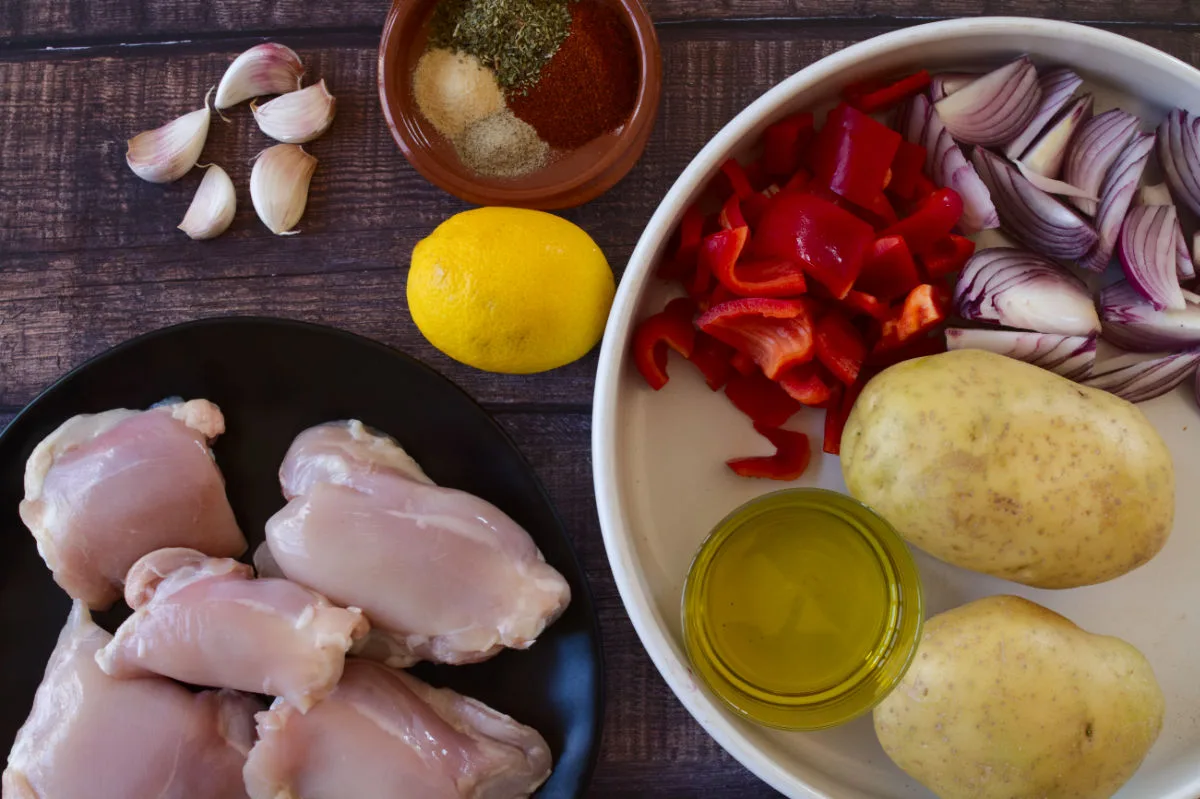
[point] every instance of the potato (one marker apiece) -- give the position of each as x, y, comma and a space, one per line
1004, 468
1008, 700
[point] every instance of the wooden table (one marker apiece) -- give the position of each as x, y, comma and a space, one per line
89, 254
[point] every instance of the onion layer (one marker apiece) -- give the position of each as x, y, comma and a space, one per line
1115, 197
1179, 153
1139, 377
1070, 356
1147, 250
1045, 156
947, 83
1093, 150
1133, 323
1057, 87
1016, 288
994, 108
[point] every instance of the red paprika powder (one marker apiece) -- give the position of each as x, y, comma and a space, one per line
590, 85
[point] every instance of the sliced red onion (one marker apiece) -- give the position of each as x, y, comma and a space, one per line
1185, 267
1050, 185
1179, 154
1045, 156
947, 83
1138, 378
1057, 87
1115, 197
1069, 356
1133, 323
1146, 247
994, 108
1155, 194
1041, 222
946, 164
1016, 288
1096, 145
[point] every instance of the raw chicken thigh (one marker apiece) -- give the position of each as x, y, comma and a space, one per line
102, 490
92, 737
441, 574
207, 621
384, 734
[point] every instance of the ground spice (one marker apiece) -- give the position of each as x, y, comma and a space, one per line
453, 90
502, 146
514, 37
590, 85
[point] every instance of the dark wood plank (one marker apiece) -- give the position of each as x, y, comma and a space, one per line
60, 21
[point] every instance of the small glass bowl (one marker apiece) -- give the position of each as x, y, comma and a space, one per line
854, 693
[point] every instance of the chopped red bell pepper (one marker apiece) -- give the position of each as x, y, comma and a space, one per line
683, 307
669, 328
871, 96
792, 454
754, 206
934, 217
888, 271
924, 308
852, 154
758, 176
947, 257
761, 399
720, 251
769, 277
683, 260
798, 181
827, 241
809, 383
783, 142
742, 363
739, 181
861, 302
840, 347
712, 358
923, 187
839, 411
731, 214
777, 334
917, 348
880, 212
907, 166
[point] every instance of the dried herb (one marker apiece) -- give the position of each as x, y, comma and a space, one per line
513, 37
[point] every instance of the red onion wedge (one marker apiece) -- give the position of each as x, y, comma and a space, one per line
946, 164
1179, 154
1050, 185
1154, 194
1016, 288
1070, 356
1041, 222
1147, 250
1115, 197
1045, 156
1096, 145
1057, 87
994, 108
1131, 322
947, 83
1138, 378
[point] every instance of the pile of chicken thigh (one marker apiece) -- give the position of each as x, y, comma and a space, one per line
351, 587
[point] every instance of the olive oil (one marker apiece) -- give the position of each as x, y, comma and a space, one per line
800, 607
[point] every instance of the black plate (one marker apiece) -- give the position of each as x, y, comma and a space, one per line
273, 378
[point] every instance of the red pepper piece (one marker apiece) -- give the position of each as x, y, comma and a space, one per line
798, 181
761, 399
917, 348
840, 347
754, 206
712, 358
792, 454
859, 302
742, 363
880, 212
869, 96
757, 175
783, 141
907, 166
770, 277
923, 187
947, 257
653, 336
934, 218
924, 308
777, 334
739, 181
731, 214
809, 383
683, 259
835, 421
889, 270
851, 155
719, 252
828, 242
682, 307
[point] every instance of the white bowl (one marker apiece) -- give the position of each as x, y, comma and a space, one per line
661, 482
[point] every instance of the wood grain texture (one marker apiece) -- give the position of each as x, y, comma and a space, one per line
56, 21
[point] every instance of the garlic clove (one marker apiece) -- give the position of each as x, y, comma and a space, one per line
279, 186
167, 153
213, 206
268, 68
296, 117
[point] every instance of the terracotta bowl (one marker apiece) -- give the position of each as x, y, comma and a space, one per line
569, 180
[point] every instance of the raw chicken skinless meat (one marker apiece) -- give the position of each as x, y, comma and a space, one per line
384, 734
102, 490
442, 575
92, 737
207, 621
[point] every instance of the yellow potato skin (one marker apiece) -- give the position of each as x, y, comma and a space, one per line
1004, 468
1008, 700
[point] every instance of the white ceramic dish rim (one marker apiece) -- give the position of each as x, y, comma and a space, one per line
631, 584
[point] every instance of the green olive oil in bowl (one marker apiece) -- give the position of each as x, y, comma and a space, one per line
802, 609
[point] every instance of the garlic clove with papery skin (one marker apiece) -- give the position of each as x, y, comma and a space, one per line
268, 68
296, 117
213, 206
279, 186
167, 153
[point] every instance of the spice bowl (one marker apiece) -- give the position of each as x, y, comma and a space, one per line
568, 177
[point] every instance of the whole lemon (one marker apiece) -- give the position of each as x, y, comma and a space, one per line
510, 290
